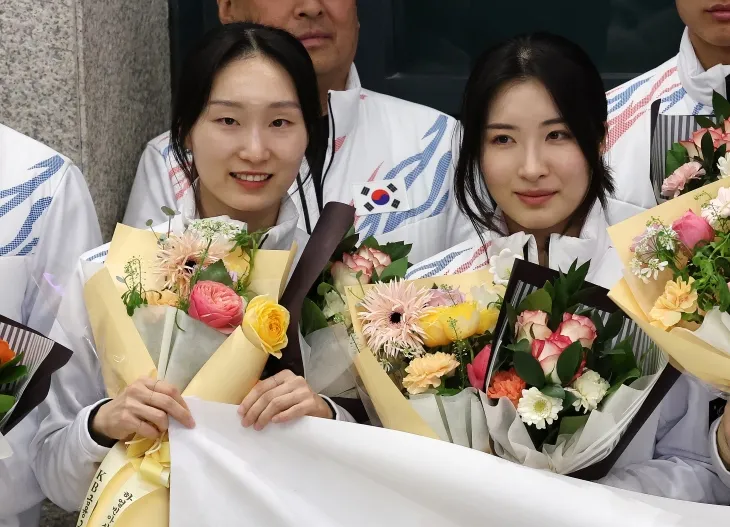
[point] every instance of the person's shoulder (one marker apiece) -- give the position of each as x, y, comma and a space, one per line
655, 80
160, 144
401, 110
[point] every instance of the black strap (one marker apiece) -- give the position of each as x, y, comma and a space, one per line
655, 106
727, 86
333, 225
665, 382
303, 200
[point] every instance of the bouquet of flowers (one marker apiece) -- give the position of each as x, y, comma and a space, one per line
196, 306
428, 340
27, 361
676, 274
569, 372
698, 155
326, 323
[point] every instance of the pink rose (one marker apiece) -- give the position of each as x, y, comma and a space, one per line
692, 149
216, 305
674, 184
718, 137
578, 328
440, 298
693, 229
477, 370
345, 273
531, 323
378, 258
548, 351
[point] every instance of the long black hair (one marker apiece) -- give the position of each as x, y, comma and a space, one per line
575, 85
216, 50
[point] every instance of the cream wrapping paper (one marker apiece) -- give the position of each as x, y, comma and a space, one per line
316, 472
119, 494
425, 418
687, 351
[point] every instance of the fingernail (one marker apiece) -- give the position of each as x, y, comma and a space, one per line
258, 427
240, 410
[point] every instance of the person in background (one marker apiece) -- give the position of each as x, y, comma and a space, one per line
389, 158
245, 106
47, 220
683, 85
532, 178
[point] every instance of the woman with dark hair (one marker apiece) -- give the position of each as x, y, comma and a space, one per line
245, 113
533, 182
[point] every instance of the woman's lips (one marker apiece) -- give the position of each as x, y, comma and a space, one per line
720, 12
251, 180
535, 198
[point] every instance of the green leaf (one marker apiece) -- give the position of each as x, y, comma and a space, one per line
569, 361
630, 375
371, 242
12, 374
672, 162
120, 279
708, 148
704, 121
347, 245
721, 106
12, 363
216, 272
522, 346
537, 301
397, 250
613, 327
553, 390
529, 369
511, 315
396, 269
324, 288
571, 424
569, 400
622, 348
6, 403
169, 212
149, 223
598, 322
312, 318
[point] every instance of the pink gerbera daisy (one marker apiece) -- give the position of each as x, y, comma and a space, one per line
179, 256
391, 318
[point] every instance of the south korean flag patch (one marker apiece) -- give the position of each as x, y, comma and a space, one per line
380, 196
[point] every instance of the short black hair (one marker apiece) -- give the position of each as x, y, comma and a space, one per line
216, 50
576, 87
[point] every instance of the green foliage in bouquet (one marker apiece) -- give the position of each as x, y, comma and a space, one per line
10, 371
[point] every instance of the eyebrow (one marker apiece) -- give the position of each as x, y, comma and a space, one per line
235, 104
504, 126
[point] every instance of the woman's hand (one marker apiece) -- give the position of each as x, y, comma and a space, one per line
142, 408
281, 398
723, 436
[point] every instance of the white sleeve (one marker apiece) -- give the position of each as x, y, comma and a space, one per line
70, 228
19, 490
64, 457
722, 472
153, 188
682, 466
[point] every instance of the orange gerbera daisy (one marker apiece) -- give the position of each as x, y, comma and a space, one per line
6, 354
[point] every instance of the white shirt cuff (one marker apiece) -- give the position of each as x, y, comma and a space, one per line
91, 448
340, 413
719, 466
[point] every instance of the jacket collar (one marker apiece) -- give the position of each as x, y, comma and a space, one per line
344, 105
592, 244
697, 81
279, 237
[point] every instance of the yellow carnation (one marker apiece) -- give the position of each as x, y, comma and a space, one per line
426, 371
487, 320
237, 262
265, 324
447, 324
162, 298
678, 298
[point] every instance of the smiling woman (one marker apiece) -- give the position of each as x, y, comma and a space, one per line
245, 113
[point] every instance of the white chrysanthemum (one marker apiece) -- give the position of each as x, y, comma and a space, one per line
718, 209
537, 409
723, 165
500, 265
589, 389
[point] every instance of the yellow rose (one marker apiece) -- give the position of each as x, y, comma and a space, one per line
446, 324
487, 319
265, 324
162, 298
678, 298
237, 262
426, 371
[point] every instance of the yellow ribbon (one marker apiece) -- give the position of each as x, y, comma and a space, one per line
151, 458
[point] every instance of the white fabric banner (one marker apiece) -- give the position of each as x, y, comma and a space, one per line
323, 473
